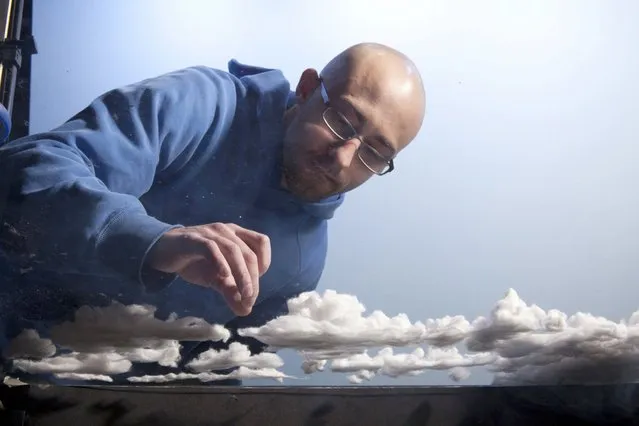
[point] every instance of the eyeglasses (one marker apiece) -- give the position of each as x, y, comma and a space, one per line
344, 130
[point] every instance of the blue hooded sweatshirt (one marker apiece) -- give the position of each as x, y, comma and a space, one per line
82, 205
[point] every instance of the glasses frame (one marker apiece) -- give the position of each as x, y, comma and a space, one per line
355, 135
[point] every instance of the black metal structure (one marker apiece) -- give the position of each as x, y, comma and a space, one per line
302, 406
17, 44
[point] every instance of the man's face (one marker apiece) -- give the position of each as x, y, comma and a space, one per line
336, 140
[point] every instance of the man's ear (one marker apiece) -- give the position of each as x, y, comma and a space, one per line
309, 81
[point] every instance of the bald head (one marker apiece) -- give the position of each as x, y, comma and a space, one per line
351, 120
384, 82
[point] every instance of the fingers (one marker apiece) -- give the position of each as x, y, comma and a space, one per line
209, 250
224, 280
227, 257
238, 305
247, 254
256, 252
241, 259
259, 244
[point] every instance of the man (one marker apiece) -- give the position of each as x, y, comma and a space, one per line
201, 192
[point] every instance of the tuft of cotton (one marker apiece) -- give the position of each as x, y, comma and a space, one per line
104, 363
446, 331
459, 374
359, 362
510, 316
98, 329
310, 365
392, 364
317, 322
84, 377
355, 379
28, 344
236, 355
241, 373
361, 376
163, 352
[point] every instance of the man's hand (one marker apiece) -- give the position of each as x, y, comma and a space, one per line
225, 257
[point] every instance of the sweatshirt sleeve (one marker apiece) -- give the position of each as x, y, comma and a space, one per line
73, 193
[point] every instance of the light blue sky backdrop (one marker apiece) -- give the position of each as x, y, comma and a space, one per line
525, 174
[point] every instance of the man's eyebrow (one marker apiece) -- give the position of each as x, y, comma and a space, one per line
380, 138
388, 145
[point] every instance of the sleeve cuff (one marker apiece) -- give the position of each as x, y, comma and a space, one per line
125, 243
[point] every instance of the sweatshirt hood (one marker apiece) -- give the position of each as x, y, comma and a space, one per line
274, 195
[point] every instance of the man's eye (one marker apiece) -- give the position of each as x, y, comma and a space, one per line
371, 155
381, 149
339, 124
345, 129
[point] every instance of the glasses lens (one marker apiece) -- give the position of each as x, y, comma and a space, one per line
339, 124
373, 159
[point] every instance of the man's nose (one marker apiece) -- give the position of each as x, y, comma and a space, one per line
346, 152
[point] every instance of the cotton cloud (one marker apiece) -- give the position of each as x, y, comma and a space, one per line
84, 377
458, 374
242, 373
78, 363
311, 365
164, 352
361, 376
538, 347
236, 355
520, 343
117, 326
317, 322
511, 317
107, 340
29, 344
416, 362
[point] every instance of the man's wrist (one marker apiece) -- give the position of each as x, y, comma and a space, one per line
151, 278
125, 242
